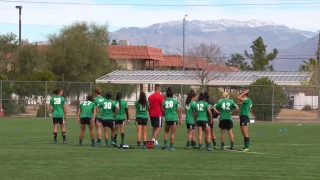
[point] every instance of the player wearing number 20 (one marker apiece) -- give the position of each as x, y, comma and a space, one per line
202, 111
172, 115
86, 116
109, 111
224, 108
59, 114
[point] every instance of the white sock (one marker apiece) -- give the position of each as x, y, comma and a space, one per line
153, 140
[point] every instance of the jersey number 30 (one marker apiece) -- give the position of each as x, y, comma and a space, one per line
107, 105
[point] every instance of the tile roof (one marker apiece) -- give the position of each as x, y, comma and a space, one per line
135, 52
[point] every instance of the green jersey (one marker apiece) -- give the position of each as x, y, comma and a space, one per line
170, 105
97, 101
190, 108
202, 111
245, 107
225, 106
141, 112
108, 108
122, 110
86, 109
57, 102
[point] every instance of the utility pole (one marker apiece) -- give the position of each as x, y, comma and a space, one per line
183, 50
318, 61
19, 7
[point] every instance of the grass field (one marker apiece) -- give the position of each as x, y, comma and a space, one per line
27, 152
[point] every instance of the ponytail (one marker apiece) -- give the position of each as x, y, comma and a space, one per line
201, 97
191, 95
118, 98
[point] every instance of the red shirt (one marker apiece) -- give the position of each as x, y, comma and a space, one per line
155, 100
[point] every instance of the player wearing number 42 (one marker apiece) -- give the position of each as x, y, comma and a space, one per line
59, 114
224, 108
86, 116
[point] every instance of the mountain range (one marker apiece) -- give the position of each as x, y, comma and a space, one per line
232, 36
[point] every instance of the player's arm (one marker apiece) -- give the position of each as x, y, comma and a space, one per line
210, 114
98, 109
94, 112
78, 114
179, 110
116, 110
215, 108
241, 96
65, 109
51, 105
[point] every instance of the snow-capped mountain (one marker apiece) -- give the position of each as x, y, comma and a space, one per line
233, 36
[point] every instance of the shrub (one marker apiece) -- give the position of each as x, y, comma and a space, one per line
41, 111
11, 107
306, 108
261, 95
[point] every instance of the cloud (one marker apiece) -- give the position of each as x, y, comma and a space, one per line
301, 17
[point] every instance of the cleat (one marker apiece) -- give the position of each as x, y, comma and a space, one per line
188, 148
139, 146
195, 147
200, 149
245, 150
145, 147
93, 145
172, 149
114, 144
107, 146
98, 144
80, 145
209, 149
164, 147
215, 147
55, 142
65, 142
230, 148
222, 148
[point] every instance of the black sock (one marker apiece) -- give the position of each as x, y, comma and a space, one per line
64, 135
115, 138
246, 142
55, 136
139, 143
144, 143
98, 140
214, 142
122, 138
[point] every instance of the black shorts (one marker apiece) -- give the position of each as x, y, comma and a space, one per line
141, 121
98, 120
58, 120
244, 120
226, 124
211, 124
203, 124
171, 123
156, 121
108, 123
191, 126
85, 120
119, 122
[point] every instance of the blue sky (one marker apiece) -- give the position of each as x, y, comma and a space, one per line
41, 19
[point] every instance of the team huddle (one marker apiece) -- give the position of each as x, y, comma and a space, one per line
112, 115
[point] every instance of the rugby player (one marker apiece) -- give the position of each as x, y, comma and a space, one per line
58, 108
109, 111
172, 117
86, 116
155, 113
224, 108
120, 117
190, 108
211, 124
202, 111
245, 117
142, 107
97, 100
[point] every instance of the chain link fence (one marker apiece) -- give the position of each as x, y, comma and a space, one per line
293, 104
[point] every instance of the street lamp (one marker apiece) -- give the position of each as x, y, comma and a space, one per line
183, 43
19, 7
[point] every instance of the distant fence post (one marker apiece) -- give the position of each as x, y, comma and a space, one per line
1, 108
45, 99
272, 104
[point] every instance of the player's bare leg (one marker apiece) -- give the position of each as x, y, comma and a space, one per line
166, 134
98, 129
230, 132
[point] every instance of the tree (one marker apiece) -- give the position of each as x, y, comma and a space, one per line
207, 62
312, 68
260, 60
8, 51
260, 93
78, 53
238, 61
114, 42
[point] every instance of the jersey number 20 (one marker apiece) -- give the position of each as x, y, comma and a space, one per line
169, 104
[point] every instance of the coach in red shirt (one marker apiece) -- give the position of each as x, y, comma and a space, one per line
155, 112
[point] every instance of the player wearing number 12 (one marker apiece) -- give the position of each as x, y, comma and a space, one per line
172, 115
59, 114
86, 116
109, 111
202, 111
224, 108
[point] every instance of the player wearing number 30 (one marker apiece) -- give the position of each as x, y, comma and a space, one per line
59, 114
109, 111
172, 115
86, 116
224, 108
